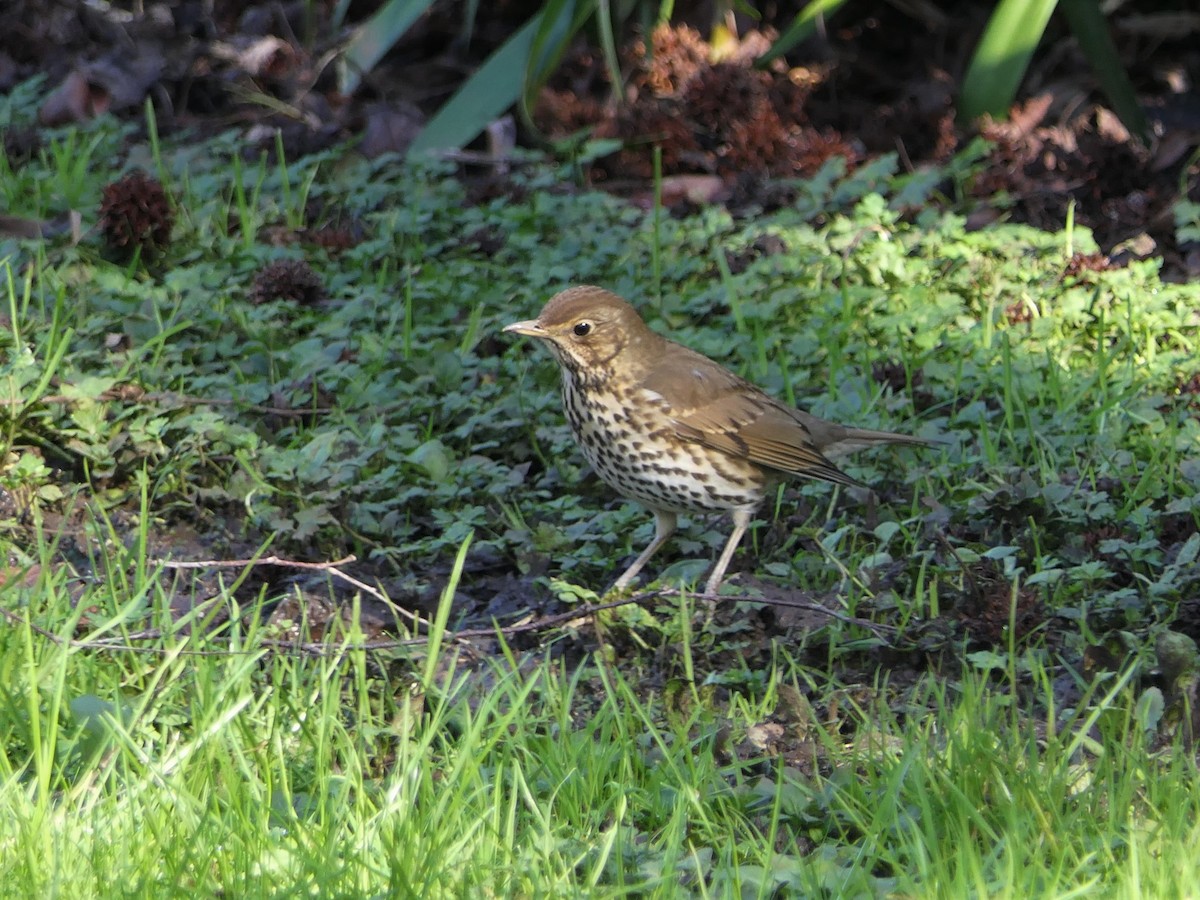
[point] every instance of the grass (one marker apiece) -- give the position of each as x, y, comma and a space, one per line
215, 765
1001, 706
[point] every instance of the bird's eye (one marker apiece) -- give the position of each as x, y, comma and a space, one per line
582, 328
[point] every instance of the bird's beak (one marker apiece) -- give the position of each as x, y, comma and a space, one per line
529, 327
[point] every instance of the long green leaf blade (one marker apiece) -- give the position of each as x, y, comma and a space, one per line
494, 87
1003, 55
559, 20
802, 27
1091, 30
375, 38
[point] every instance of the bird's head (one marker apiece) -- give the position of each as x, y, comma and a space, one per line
590, 331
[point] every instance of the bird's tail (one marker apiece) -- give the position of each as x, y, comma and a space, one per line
859, 438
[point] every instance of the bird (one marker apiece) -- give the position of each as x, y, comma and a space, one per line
675, 431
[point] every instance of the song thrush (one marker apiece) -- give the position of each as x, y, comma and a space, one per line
670, 428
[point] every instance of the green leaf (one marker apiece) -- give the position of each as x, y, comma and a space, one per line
801, 29
549, 38
496, 85
316, 452
1149, 709
376, 37
559, 20
608, 43
434, 458
1003, 55
1091, 30
1189, 551
988, 660
89, 387
1187, 218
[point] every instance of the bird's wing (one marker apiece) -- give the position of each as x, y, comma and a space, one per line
714, 407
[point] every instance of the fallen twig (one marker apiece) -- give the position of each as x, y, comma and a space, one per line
463, 637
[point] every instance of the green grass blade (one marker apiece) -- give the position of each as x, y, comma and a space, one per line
560, 19
494, 87
608, 44
375, 38
514, 70
485, 95
437, 629
800, 30
556, 24
470, 14
1003, 54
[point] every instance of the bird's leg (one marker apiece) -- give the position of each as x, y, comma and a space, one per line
664, 527
741, 521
